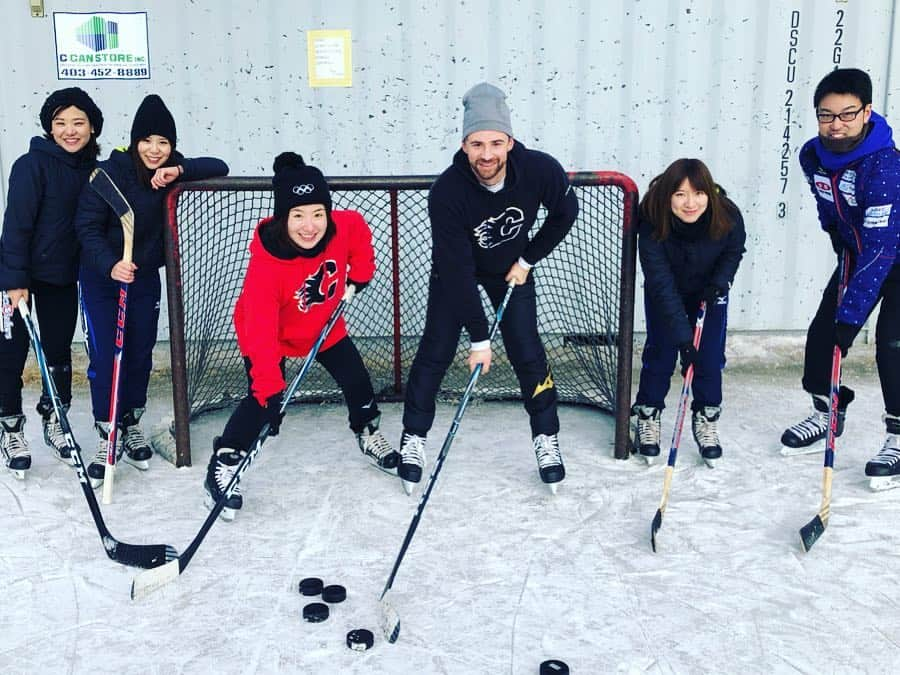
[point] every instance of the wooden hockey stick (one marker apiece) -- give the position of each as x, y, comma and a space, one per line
676, 432
107, 189
810, 533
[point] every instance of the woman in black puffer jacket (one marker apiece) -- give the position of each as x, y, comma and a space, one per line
39, 259
691, 241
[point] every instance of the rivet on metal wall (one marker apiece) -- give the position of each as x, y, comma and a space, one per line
37, 8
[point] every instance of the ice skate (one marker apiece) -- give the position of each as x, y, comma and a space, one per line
808, 436
549, 459
412, 460
14, 446
223, 463
96, 470
137, 449
54, 436
645, 431
376, 447
883, 470
705, 424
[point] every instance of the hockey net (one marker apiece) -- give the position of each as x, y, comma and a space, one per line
585, 294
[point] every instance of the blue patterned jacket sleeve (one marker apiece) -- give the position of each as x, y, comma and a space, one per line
875, 236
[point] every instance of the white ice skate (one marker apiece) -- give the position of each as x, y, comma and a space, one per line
412, 460
883, 470
14, 446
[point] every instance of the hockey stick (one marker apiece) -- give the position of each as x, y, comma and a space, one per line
676, 432
136, 555
104, 186
390, 619
810, 533
6, 318
147, 582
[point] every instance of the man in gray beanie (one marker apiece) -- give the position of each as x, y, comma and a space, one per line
481, 209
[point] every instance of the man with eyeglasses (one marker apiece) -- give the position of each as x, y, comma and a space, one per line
853, 170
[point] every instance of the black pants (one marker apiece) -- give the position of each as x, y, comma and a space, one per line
343, 363
820, 342
437, 349
56, 308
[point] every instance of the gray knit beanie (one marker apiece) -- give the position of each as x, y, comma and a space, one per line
485, 109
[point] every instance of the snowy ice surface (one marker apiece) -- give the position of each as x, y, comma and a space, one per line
500, 576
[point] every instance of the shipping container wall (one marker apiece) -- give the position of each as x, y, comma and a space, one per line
613, 85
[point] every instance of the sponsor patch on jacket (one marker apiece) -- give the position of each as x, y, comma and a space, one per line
847, 186
823, 187
878, 216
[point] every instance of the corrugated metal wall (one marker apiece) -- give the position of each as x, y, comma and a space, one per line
622, 85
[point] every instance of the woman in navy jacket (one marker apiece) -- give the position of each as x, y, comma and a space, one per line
143, 174
691, 241
39, 259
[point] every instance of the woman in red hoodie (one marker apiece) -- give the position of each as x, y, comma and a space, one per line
303, 261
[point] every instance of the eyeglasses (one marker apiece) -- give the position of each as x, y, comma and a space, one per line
846, 116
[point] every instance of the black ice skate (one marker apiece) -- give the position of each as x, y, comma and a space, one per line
376, 447
883, 470
705, 424
223, 463
549, 459
96, 470
412, 460
808, 436
645, 421
14, 446
137, 449
53, 432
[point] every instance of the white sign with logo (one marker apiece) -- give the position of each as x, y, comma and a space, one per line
101, 46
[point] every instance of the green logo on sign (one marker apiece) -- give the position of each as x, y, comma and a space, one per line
98, 34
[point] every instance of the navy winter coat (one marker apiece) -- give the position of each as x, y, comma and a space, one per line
99, 229
38, 239
687, 261
858, 197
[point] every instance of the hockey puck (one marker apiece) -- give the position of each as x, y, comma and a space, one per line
554, 667
334, 593
360, 639
310, 586
315, 612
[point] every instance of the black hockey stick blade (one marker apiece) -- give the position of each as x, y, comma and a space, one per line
654, 528
810, 533
104, 186
146, 556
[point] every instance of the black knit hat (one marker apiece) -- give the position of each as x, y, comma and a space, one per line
63, 98
295, 184
153, 117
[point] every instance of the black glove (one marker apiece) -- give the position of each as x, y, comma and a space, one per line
272, 413
843, 336
712, 293
688, 356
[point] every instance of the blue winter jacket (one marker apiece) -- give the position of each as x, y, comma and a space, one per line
100, 230
682, 265
858, 196
38, 239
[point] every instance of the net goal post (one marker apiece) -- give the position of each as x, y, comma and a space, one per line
585, 296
